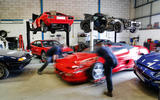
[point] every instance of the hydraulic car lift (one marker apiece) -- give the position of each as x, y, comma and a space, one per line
28, 35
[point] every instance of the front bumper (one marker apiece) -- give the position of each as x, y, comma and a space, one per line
72, 77
145, 78
19, 65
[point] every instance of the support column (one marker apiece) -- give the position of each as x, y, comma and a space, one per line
28, 34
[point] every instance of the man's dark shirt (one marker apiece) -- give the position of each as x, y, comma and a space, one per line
106, 53
55, 50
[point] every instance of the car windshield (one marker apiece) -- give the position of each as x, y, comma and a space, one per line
50, 43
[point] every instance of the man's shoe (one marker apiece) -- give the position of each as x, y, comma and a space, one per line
108, 93
39, 73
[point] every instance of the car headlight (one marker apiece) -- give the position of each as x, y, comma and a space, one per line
22, 58
79, 71
157, 74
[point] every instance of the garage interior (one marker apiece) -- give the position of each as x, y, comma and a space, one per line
28, 85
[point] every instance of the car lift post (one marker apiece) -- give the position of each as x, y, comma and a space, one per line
28, 34
115, 36
91, 37
67, 38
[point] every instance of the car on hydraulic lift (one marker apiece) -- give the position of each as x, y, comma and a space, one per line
147, 68
52, 21
102, 22
12, 60
82, 66
40, 48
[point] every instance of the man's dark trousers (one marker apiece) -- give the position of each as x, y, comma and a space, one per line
108, 74
49, 60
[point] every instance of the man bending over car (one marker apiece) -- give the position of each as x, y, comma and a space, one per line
110, 62
52, 54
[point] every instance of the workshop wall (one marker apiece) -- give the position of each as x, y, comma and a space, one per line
72, 7
145, 34
116, 8
23, 9
154, 34
18, 9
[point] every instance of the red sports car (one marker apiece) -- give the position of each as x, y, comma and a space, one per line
40, 47
51, 21
83, 66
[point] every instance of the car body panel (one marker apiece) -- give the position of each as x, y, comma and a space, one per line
39, 46
49, 19
74, 67
11, 59
147, 68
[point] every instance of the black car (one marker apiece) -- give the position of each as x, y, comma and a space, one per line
11, 60
104, 23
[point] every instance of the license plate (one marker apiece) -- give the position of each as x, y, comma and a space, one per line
140, 76
59, 17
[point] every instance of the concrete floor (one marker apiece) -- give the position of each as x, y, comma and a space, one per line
28, 85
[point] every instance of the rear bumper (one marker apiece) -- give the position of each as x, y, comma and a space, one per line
54, 21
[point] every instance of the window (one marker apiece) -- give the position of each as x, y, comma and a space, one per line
39, 44
147, 12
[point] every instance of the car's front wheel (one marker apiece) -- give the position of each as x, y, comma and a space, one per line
4, 73
44, 28
96, 72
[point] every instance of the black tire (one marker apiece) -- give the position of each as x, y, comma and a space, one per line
43, 56
86, 28
118, 27
3, 33
53, 31
132, 30
44, 28
4, 73
101, 29
96, 71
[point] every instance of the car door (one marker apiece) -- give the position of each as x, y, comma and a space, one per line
36, 47
33, 47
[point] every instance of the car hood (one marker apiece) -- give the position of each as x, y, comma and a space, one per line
76, 57
11, 53
151, 61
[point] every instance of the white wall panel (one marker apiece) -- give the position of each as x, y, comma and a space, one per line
145, 34
156, 7
146, 10
116, 8
143, 11
144, 22
155, 19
